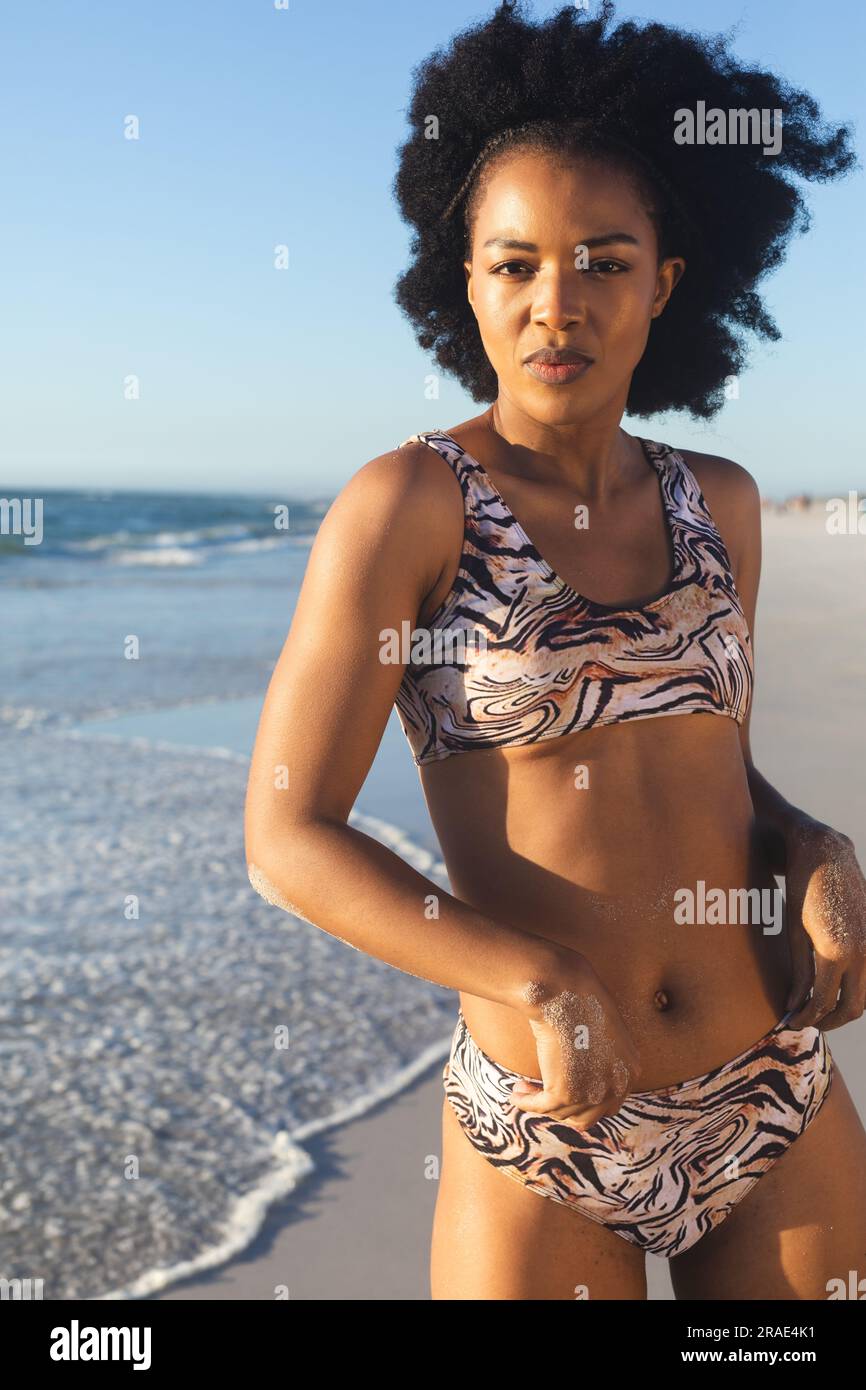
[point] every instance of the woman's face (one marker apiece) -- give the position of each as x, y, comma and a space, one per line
537, 294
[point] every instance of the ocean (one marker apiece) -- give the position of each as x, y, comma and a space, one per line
168, 1039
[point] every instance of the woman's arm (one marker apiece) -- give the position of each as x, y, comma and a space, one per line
825, 891
379, 552
782, 825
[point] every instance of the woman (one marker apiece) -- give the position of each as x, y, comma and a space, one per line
636, 1040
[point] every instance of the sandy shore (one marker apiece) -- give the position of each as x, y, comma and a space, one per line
359, 1228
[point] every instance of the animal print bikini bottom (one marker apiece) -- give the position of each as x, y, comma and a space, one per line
672, 1163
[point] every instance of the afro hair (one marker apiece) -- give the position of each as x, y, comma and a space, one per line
574, 83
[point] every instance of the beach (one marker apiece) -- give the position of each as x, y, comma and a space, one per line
212, 1099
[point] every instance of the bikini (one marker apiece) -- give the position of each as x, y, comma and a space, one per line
520, 657
552, 661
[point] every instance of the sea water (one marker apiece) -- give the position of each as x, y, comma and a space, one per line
167, 1038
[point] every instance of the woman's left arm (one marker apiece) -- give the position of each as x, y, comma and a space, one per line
825, 900
825, 891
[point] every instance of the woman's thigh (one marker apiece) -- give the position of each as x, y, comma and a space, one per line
802, 1225
494, 1239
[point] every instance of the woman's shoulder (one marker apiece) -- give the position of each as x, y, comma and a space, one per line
722, 479
404, 500
409, 477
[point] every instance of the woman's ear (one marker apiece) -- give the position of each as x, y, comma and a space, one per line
670, 273
467, 270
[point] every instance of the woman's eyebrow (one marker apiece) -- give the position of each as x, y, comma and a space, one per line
510, 244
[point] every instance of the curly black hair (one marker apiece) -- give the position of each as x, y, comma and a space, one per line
573, 84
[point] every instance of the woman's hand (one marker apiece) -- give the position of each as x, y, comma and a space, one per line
586, 1056
826, 914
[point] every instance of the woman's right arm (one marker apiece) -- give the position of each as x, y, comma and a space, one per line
384, 544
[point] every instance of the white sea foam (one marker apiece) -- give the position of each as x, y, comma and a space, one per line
248, 1214
180, 555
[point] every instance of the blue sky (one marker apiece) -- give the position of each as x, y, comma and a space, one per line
261, 126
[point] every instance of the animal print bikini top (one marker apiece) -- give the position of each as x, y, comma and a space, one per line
514, 655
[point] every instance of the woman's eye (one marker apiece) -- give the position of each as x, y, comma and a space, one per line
601, 267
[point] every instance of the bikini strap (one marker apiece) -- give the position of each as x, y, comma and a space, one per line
452, 454
491, 535
695, 515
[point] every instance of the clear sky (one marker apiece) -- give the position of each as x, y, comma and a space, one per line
261, 126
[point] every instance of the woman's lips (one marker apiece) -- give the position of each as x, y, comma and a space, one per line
556, 374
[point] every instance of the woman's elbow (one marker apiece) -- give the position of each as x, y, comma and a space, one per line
277, 866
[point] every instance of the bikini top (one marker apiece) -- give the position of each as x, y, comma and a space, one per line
514, 655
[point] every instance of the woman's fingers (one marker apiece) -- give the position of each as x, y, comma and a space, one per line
802, 963
825, 990
851, 1002
536, 1102
537, 1099
544, 1103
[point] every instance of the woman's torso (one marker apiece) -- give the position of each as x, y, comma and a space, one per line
601, 835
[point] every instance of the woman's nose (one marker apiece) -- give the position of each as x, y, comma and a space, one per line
559, 299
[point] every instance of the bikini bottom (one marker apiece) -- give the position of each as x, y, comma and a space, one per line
671, 1163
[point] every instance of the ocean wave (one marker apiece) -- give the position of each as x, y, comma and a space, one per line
192, 537
179, 555
292, 1165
